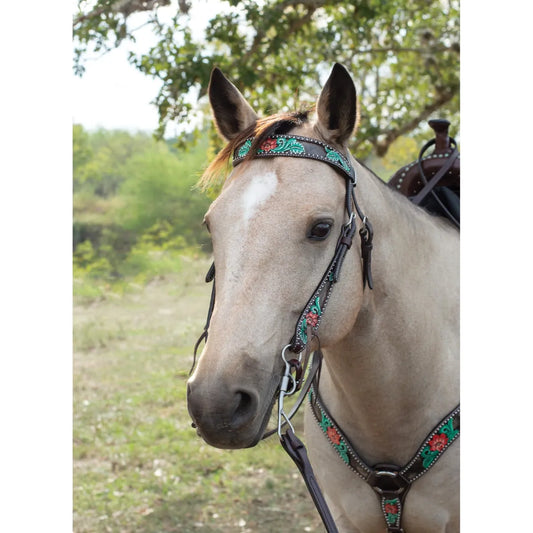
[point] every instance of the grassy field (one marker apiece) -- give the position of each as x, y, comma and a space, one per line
138, 464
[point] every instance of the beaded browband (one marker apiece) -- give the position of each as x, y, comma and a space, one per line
297, 146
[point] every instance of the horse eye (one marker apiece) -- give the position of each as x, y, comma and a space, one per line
319, 231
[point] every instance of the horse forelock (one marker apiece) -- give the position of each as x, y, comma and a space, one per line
277, 124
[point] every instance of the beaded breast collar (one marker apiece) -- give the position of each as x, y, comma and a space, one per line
390, 482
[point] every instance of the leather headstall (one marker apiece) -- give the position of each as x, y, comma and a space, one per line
309, 148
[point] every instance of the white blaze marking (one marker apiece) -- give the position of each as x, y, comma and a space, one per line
260, 189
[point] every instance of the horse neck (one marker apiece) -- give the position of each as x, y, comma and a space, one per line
396, 374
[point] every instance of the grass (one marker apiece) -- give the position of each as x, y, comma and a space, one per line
138, 464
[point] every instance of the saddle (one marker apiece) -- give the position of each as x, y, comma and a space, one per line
433, 180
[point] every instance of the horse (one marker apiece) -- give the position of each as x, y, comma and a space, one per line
389, 338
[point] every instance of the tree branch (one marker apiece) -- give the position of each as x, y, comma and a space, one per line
382, 146
127, 7
311, 5
92, 14
399, 50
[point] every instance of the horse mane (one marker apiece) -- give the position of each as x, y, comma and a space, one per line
277, 124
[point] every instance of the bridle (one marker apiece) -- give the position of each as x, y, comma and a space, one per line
311, 316
309, 148
390, 482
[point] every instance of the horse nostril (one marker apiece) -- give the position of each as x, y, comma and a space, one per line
245, 410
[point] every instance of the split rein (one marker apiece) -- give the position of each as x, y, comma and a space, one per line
310, 318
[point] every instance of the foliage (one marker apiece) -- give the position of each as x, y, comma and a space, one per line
160, 188
401, 152
136, 212
87, 261
156, 254
99, 158
404, 55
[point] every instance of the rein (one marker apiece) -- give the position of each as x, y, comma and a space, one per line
390, 482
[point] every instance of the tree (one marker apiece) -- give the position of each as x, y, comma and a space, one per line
99, 158
160, 189
404, 56
126, 183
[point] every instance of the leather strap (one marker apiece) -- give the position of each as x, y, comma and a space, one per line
210, 276
441, 437
430, 185
294, 146
297, 452
314, 309
391, 483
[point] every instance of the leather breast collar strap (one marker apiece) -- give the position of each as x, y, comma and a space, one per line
391, 483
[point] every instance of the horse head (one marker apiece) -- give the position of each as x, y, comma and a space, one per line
274, 228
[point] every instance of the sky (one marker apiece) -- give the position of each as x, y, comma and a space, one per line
113, 94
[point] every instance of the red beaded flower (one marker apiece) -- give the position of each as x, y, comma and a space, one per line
391, 509
438, 442
333, 435
268, 144
311, 319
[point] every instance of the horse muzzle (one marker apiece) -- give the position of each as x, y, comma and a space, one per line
226, 417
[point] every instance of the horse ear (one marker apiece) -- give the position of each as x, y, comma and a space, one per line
337, 106
232, 112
